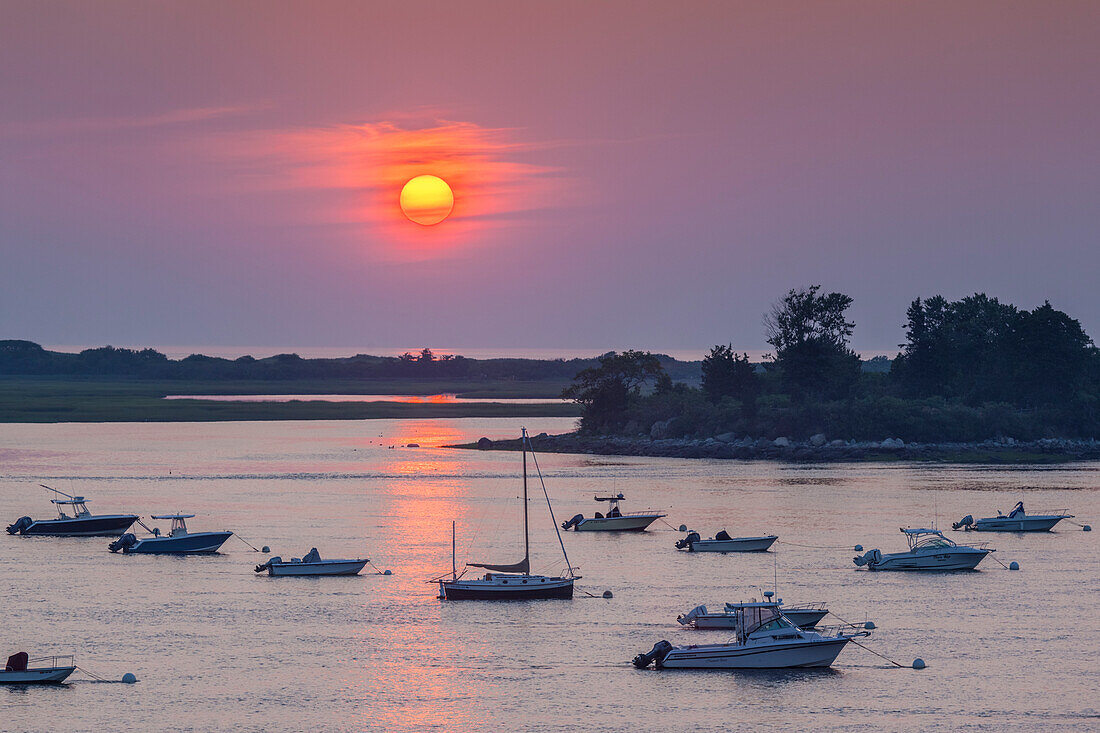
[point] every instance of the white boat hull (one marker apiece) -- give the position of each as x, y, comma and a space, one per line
324, 567
959, 558
796, 654
803, 618
1036, 523
628, 523
42, 676
736, 544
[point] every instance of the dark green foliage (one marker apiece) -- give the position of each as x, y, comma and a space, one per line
605, 391
728, 374
810, 333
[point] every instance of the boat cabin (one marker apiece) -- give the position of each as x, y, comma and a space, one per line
613, 504
80, 507
931, 539
179, 526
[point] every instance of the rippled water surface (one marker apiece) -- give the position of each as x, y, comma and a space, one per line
218, 648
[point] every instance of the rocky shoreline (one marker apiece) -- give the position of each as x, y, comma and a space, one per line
816, 449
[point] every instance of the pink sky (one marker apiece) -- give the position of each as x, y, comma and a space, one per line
626, 174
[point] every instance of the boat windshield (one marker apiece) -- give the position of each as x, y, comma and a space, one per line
931, 542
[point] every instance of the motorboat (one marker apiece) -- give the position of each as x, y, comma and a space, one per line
48, 670
615, 520
804, 616
928, 550
766, 639
722, 542
512, 582
1017, 521
82, 523
178, 541
311, 564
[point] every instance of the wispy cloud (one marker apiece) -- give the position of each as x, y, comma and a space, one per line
74, 125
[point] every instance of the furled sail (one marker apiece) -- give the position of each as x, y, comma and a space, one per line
523, 566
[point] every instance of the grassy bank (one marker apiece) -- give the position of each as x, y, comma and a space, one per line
44, 400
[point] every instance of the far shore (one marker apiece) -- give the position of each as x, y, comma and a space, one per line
1002, 451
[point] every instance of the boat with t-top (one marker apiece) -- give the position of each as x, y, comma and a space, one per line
178, 541
82, 523
803, 615
928, 550
511, 582
616, 520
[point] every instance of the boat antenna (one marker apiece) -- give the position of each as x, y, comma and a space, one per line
775, 574
549, 507
50, 488
526, 532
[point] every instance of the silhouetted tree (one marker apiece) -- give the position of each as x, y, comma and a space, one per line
810, 333
605, 391
728, 374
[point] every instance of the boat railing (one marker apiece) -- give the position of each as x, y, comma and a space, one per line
648, 513
820, 606
841, 629
1044, 513
60, 660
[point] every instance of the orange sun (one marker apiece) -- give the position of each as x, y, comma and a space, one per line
427, 200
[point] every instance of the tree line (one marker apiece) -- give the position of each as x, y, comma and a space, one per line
970, 369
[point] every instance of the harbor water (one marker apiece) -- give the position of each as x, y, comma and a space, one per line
216, 647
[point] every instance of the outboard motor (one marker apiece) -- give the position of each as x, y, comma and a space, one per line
964, 523
657, 654
266, 565
124, 542
691, 615
572, 522
19, 525
870, 559
688, 541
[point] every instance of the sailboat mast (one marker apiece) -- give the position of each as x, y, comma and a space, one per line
526, 537
454, 566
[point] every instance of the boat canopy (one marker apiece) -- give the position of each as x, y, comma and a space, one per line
172, 516
73, 500
620, 497
752, 618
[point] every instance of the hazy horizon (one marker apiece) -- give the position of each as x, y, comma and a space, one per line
624, 175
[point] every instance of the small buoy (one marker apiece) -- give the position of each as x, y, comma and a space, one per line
129, 678
918, 663
1086, 528
684, 528
608, 594
1014, 565
869, 625
859, 548
387, 572
265, 549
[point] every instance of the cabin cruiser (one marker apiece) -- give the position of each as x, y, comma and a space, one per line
82, 523
1017, 521
615, 520
514, 581
311, 564
50, 670
178, 541
928, 550
722, 542
804, 616
766, 639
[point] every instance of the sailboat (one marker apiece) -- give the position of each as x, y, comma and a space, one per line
510, 582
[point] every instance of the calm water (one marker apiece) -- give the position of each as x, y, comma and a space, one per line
218, 648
